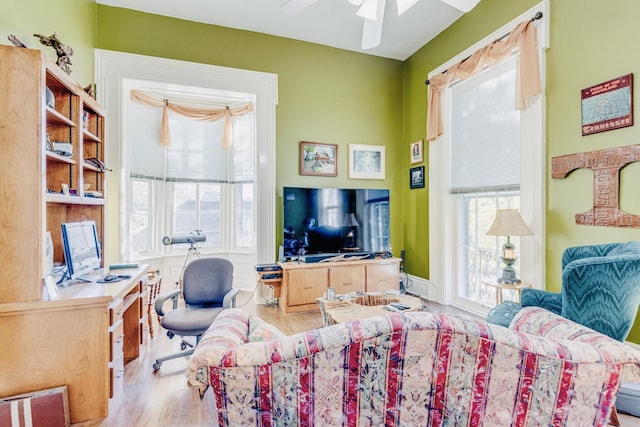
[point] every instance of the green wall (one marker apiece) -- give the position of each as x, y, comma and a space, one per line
325, 94
589, 44
335, 96
73, 21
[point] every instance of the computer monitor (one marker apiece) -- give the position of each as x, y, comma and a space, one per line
81, 248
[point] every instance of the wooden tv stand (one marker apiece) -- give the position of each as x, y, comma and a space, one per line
302, 283
81, 340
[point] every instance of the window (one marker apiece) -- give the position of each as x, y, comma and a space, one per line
490, 156
192, 186
485, 172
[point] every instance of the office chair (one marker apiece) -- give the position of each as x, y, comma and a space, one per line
207, 290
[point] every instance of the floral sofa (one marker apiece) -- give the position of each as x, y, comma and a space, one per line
412, 369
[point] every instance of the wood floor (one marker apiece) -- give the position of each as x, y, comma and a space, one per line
163, 398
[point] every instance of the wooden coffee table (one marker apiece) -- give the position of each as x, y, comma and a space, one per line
362, 306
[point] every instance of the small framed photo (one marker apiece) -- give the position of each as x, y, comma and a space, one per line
416, 177
331, 294
366, 161
318, 159
416, 152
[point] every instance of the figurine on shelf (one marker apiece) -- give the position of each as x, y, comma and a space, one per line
63, 52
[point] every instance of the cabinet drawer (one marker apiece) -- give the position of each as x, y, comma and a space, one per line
347, 279
116, 340
383, 277
307, 285
115, 311
116, 376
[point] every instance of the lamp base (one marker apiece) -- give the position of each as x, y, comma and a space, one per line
509, 276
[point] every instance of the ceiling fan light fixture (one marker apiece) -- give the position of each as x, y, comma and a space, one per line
371, 10
291, 7
372, 30
463, 5
404, 5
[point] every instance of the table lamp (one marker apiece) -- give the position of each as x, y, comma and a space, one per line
508, 222
350, 222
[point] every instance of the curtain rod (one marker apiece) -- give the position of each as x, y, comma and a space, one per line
537, 16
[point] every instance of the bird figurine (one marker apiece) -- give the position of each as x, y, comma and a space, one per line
63, 52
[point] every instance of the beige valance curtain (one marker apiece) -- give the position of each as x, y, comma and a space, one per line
199, 114
522, 37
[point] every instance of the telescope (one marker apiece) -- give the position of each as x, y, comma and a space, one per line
189, 238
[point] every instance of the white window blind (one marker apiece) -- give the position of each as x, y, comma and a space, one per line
485, 131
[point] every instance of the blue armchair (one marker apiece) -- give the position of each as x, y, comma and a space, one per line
600, 289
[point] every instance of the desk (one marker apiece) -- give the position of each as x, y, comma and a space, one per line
500, 286
82, 340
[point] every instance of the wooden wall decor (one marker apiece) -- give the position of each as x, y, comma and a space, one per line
606, 165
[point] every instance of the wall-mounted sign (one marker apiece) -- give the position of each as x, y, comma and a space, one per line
607, 106
606, 165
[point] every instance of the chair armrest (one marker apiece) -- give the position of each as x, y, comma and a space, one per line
162, 298
229, 300
551, 301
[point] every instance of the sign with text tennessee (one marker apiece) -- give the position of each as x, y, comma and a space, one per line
607, 106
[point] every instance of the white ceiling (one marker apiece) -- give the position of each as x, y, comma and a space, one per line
328, 22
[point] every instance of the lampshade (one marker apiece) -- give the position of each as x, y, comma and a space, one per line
350, 220
508, 222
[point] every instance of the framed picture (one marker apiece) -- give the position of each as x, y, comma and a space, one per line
608, 105
318, 159
366, 161
416, 177
416, 152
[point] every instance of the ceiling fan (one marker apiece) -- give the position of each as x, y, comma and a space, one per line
372, 11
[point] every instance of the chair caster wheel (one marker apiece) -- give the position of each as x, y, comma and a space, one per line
183, 346
156, 365
170, 334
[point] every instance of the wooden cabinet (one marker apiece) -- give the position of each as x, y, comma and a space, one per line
347, 278
309, 285
33, 171
52, 140
303, 283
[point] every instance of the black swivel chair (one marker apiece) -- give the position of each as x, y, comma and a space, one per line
207, 290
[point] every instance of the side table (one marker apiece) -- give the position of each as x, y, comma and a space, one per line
500, 286
154, 283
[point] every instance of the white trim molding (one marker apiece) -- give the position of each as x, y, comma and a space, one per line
113, 68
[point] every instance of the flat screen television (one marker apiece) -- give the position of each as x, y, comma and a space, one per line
335, 220
81, 248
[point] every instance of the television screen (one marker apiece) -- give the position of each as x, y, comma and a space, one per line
335, 220
81, 248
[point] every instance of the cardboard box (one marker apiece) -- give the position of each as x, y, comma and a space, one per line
45, 408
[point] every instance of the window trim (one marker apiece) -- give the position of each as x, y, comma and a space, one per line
443, 206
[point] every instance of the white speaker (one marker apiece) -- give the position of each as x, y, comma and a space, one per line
47, 260
281, 253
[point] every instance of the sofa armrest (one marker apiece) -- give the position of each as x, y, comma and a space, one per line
536, 321
228, 331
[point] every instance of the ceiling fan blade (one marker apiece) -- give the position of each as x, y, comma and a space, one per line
291, 7
372, 30
404, 5
463, 5
370, 10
